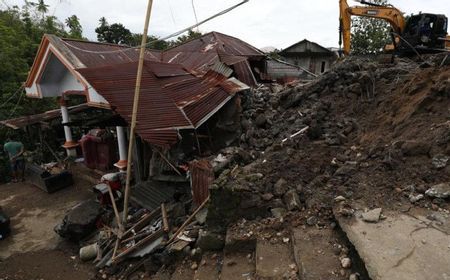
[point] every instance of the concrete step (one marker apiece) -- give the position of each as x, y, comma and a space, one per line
183, 272
209, 267
275, 261
160, 275
316, 253
238, 266
236, 242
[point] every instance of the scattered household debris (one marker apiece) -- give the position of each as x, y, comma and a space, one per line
49, 177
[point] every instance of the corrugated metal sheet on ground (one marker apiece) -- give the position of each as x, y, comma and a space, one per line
151, 194
202, 176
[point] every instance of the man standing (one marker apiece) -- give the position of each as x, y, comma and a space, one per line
15, 152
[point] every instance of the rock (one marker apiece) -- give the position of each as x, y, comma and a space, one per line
261, 120
194, 266
372, 216
311, 221
437, 217
244, 156
280, 187
415, 148
208, 241
346, 263
201, 216
80, 221
339, 198
267, 196
415, 198
292, 200
278, 212
299, 189
439, 191
345, 170
89, 252
354, 276
440, 161
254, 177
250, 200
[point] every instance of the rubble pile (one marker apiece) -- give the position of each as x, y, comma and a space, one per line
364, 131
366, 134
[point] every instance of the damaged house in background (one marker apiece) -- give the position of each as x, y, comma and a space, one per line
190, 106
309, 55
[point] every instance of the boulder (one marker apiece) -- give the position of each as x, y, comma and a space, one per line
439, 191
261, 120
415, 148
372, 216
80, 221
280, 187
292, 200
345, 170
440, 161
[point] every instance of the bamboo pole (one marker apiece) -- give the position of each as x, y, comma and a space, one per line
116, 210
135, 108
187, 222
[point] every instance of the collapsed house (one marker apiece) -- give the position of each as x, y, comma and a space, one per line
189, 104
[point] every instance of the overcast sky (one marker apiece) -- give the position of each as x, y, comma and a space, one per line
278, 23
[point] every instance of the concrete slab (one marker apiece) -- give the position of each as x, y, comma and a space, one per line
208, 268
314, 252
238, 266
401, 247
274, 261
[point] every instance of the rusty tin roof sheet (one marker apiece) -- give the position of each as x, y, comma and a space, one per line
201, 53
202, 177
171, 97
122, 53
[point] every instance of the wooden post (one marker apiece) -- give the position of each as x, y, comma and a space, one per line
135, 108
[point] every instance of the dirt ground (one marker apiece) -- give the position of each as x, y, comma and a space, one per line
34, 250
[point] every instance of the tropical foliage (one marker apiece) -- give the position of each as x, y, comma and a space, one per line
369, 35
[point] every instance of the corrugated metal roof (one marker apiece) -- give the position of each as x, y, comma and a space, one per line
90, 59
202, 53
167, 102
244, 73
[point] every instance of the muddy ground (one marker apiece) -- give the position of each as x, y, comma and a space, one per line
34, 250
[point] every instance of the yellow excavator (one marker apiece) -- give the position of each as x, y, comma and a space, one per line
420, 33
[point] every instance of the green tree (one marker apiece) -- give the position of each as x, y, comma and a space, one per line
153, 42
42, 8
115, 33
75, 28
187, 37
370, 35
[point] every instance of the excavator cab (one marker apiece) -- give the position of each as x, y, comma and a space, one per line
424, 32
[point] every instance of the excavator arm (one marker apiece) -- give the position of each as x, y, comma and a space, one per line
392, 15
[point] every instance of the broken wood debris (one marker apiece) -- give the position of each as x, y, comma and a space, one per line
148, 231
